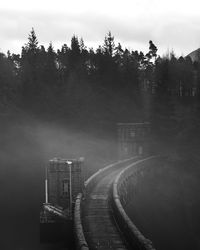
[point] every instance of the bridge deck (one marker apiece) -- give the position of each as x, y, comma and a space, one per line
99, 227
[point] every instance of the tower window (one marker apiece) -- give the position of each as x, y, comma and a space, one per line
65, 188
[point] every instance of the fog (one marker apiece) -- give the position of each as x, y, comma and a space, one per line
26, 147
165, 205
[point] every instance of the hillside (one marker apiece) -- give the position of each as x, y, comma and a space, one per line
195, 55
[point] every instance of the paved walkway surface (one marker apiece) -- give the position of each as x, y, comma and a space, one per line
99, 226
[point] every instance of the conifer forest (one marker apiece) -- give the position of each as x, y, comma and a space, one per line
102, 86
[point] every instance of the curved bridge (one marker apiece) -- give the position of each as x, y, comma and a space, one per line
99, 217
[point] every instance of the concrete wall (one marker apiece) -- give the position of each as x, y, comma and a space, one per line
119, 197
81, 243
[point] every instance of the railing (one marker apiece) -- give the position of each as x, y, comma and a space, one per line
131, 233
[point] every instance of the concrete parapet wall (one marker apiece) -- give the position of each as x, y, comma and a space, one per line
131, 233
133, 236
81, 243
92, 180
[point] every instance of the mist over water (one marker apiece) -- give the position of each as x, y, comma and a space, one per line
26, 147
165, 205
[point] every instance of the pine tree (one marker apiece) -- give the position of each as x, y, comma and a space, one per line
51, 65
75, 53
118, 55
75, 46
152, 49
109, 44
32, 44
30, 70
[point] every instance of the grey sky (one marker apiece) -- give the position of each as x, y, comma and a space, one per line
172, 24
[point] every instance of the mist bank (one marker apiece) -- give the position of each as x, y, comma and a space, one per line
27, 144
165, 205
28, 141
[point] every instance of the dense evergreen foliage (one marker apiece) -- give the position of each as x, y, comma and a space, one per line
109, 84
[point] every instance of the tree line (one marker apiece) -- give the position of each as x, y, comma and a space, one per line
109, 83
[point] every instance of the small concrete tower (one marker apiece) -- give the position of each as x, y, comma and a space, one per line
133, 139
65, 181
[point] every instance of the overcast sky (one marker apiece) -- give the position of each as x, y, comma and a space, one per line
172, 24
